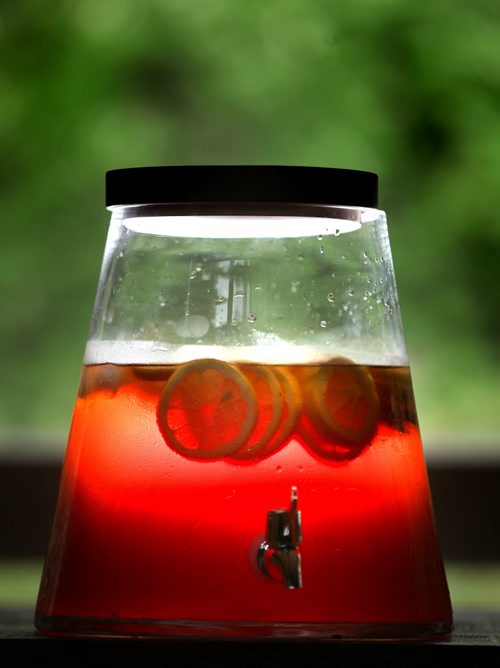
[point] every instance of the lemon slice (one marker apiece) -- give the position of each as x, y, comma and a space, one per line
269, 410
342, 402
282, 406
102, 378
207, 410
154, 372
292, 405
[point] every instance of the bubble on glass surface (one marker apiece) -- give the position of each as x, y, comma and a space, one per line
251, 317
323, 323
331, 297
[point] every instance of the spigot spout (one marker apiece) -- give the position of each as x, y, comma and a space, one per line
289, 564
281, 544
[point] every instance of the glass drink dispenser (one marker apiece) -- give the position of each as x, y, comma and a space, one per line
244, 456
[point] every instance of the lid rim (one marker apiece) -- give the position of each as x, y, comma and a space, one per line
241, 183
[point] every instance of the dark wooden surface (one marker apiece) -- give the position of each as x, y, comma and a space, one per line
475, 639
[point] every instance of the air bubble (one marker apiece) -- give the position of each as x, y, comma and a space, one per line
251, 317
331, 297
323, 323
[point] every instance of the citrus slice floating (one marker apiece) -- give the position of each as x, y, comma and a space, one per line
342, 403
269, 410
207, 410
395, 391
102, 378
291, 411
154, 372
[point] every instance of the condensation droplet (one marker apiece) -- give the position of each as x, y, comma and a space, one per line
251, 317
337, 232
322, 249
220, 300
323, 323
350, 292
320, 237
331, 297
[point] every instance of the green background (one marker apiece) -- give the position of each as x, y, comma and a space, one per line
408, 89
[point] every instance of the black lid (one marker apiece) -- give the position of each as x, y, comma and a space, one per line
241, 183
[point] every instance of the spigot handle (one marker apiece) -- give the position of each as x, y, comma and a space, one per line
283, 537
295, 519
284, 527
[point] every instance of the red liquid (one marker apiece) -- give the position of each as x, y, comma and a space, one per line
143, 532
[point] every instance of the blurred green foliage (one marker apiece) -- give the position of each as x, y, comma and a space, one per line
408, 89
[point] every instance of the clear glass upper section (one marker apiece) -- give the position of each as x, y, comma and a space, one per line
301, 285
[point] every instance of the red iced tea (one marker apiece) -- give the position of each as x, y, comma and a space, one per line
169, 475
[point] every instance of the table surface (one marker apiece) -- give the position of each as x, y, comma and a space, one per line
476, 637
